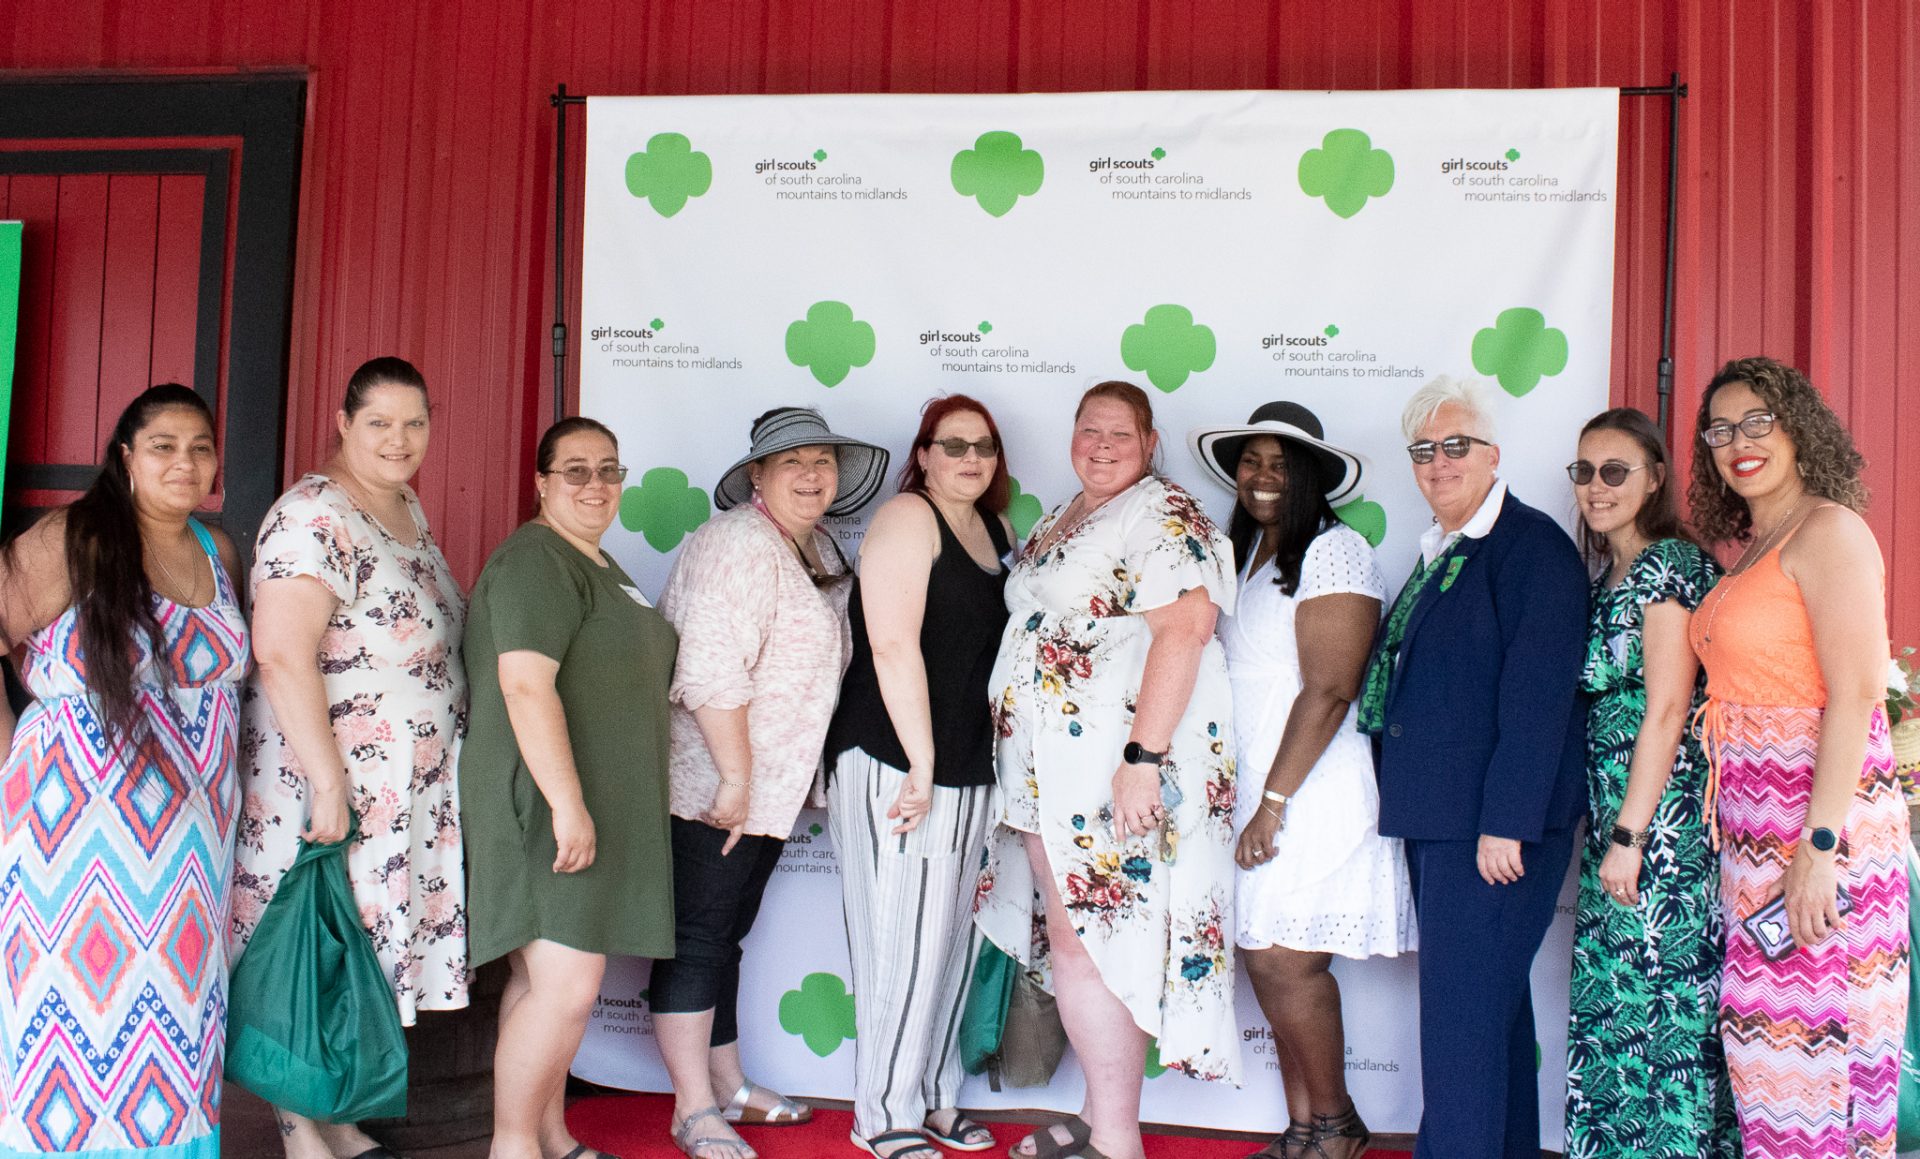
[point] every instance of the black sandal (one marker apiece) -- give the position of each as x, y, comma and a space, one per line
1346, 1125
955, 1138
1289, 1145
914, 1140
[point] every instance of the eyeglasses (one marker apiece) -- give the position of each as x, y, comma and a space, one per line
1755, 426
1612, 473
1456, 447
957, 448
579, 474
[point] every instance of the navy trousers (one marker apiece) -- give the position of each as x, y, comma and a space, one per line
1477, 1048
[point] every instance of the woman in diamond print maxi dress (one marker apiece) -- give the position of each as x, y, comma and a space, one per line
116, 803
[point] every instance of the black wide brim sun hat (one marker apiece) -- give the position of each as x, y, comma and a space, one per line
1217, 449
863, 466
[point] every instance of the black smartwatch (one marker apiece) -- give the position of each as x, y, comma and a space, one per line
1133, 754
1823, 838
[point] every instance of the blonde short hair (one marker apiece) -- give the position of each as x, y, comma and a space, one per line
1469, 394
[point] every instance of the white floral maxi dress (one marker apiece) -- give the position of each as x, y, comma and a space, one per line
397, 695
1156, 914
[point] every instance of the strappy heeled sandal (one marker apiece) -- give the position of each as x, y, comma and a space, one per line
1346, 1125
1288, 1145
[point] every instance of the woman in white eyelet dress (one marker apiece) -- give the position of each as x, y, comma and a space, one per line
1316, 879
1334, 885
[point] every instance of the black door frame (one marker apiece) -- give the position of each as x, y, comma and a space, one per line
267, 112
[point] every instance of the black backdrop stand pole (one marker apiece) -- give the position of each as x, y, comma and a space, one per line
560, 100
1673, 90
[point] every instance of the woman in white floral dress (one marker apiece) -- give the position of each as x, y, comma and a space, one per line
358, 704
1116, 765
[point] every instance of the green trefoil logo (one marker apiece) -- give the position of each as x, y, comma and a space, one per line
1519, 349
1346, 170
664, 508
668, 172
997, 172
820, 1013
829, 342
1365, 516
1168, 345
1023, 510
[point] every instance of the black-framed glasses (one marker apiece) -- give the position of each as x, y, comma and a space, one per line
1757, 425
579, 474
1612, 473
986, 448
1456, 447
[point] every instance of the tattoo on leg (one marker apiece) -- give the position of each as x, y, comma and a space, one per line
286, 1126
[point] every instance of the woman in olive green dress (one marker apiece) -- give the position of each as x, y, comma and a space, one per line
563, 779
1644, 1071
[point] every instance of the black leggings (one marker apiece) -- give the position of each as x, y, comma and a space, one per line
715, 900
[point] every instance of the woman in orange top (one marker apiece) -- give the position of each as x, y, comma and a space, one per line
1813, 1000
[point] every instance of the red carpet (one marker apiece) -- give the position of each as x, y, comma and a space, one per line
635, 1127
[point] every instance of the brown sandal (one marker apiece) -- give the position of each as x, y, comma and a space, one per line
1045, 1146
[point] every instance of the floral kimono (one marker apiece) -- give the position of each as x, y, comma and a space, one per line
1155, 911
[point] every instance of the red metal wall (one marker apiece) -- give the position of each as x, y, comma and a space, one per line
426, 212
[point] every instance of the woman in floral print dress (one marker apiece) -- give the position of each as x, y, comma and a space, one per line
1116, 765
358, 703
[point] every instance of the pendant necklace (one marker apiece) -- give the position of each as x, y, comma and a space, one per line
1740, 567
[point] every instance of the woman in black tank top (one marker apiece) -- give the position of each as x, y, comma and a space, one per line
910, 761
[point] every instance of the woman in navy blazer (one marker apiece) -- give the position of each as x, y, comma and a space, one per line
1471, 696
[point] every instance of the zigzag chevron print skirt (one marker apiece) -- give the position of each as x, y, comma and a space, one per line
1813, 1041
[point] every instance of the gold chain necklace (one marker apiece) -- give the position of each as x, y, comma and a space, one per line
193, 592
1740, 567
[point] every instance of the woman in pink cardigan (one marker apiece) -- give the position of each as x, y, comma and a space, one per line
759, 597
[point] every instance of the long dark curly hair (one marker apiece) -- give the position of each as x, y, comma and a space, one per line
106, 572
1829, 465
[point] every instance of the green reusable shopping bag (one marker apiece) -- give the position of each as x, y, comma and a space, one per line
1907, 1137
1010, 1027
984, 1020
311, 1023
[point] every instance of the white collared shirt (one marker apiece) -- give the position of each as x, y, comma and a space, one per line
1434, 542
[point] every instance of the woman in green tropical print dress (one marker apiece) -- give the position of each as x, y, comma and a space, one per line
1644, 1071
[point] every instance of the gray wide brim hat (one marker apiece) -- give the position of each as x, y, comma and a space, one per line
1217, 449
863, 466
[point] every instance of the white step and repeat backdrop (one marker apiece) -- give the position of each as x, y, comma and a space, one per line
866, 253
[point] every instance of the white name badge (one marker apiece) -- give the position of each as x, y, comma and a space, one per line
635, 593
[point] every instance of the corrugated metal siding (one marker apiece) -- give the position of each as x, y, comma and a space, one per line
426, 194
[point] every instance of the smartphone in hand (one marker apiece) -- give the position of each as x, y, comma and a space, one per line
1769, 928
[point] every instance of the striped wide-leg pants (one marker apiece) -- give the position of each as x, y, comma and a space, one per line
910, 937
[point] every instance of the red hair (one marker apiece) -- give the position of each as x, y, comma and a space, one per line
999, 493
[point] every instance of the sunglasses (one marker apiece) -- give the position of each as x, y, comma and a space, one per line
1612, 473
1755, 426
1456, 447
579, 474
957, 448
828, 578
